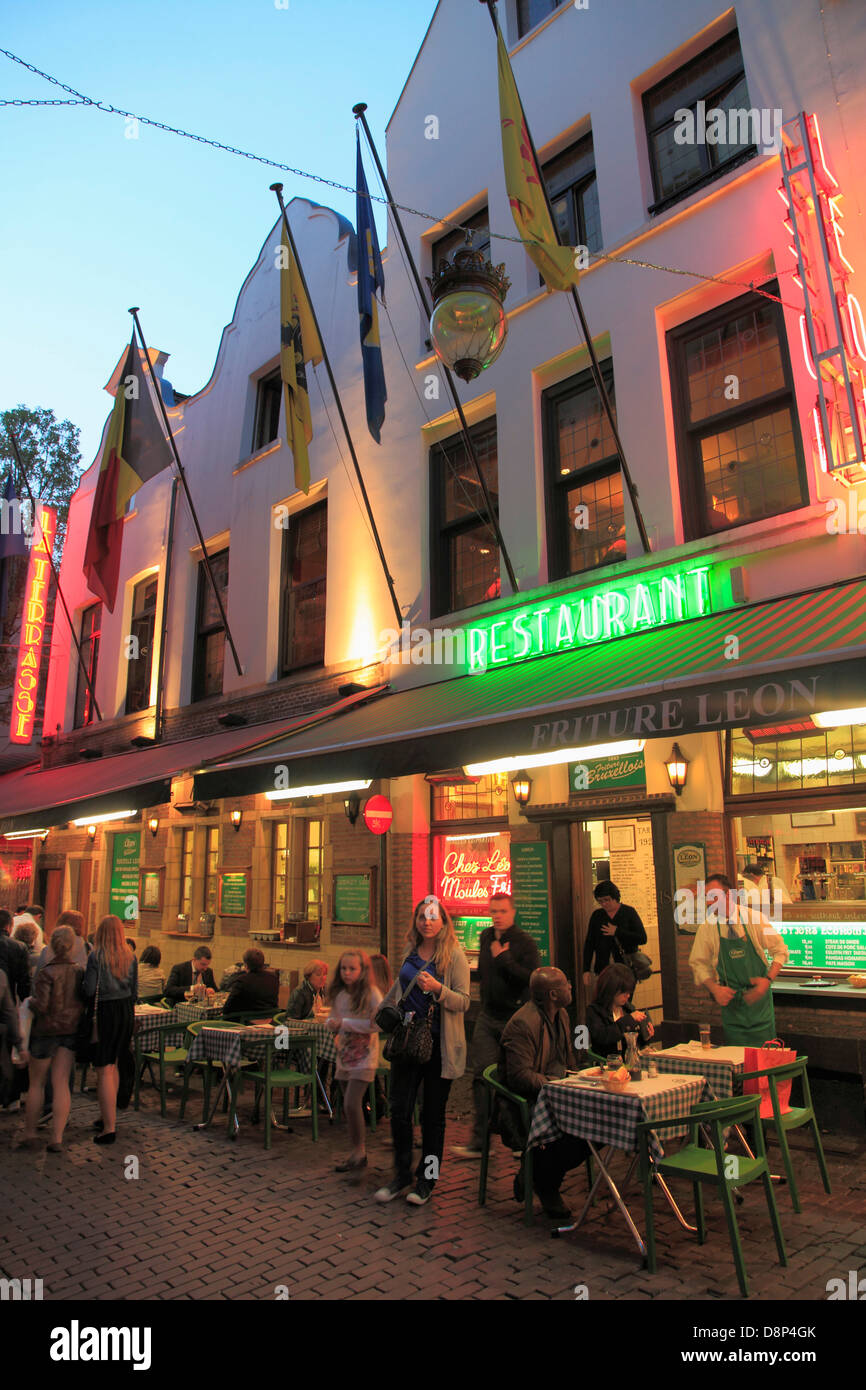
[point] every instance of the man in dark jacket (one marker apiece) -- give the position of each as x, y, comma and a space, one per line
190, 972
255, 990
507, 957
13, 959
536, 1047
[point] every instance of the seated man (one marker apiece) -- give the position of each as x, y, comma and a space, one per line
190, 972
536, 1047
303, 999
255, 990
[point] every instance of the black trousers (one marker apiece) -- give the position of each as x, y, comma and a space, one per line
406, 1077
551, 1162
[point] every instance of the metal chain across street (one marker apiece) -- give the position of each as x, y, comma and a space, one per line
82, 100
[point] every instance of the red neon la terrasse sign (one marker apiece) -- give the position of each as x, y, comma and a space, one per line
33, 627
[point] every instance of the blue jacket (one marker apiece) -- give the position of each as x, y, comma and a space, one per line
109, 987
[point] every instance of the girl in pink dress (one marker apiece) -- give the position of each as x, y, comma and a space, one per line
354, 1000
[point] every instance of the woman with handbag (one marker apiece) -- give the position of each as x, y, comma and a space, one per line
57, 1008
111, 981
611, 1014
427, 1046
613, 935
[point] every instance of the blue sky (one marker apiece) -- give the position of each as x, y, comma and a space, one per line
95, 221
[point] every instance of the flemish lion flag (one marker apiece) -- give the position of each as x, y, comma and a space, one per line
525, 191
299, 344
136, 449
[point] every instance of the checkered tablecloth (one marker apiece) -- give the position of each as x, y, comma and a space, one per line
326, 1041
231, 1045
148, 1020
193, 1013
722, 1067
608, 1119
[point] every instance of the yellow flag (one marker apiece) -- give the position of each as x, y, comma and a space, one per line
299, 344
525, 190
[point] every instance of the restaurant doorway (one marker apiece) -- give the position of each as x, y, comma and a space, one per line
619, 848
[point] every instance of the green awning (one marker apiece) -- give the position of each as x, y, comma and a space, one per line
795, 655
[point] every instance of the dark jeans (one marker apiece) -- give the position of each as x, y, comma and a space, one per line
551, 1162
483, 1052
406, 1077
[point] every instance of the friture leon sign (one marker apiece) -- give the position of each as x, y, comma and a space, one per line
634, 603
33, 628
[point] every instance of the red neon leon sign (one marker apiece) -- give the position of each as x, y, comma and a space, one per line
33, 627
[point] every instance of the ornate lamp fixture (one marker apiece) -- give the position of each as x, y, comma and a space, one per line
678, 769
468, 327
521, 785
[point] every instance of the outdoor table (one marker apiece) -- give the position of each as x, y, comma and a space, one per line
194, 1012
608, 1121
147, 1020
233, 1045
721, 1066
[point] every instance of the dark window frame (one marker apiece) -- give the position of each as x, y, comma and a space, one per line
269, 398
456, 237
576, 188
140, 625
83, 699
524, 25
443, 532
288, 590
557, 487
688, 437
710, 172
202, 633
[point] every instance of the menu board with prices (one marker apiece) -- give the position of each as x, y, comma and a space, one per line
233, 894
530, 879
468, 932
633, 872
352, 898
825, 945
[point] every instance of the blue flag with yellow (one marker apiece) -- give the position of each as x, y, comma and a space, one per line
371, 278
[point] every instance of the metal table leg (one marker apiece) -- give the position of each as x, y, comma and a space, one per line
636, 1235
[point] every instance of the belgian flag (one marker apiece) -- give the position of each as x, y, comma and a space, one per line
136, 449
299, 344
371, 277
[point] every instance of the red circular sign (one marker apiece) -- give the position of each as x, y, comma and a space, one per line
378, 814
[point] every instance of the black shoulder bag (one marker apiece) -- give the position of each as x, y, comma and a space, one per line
411, 1039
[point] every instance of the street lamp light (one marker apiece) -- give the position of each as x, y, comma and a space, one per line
521, 785
468, 327
677, 765
237, 816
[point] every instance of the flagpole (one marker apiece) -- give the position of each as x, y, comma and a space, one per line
278, 189
358, 112
595, 366
159, 715
182, 476
81, 661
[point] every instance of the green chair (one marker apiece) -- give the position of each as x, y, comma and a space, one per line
495, 1087
272, 1078
712, 1165
794, 1118
165, 1056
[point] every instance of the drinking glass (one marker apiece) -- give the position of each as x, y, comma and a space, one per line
705, 1035
614, 1061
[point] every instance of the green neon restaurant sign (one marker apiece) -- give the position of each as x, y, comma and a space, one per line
591, 616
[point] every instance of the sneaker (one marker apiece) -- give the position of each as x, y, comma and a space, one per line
519, 1188
421, 1193
396, 1188
466, 1151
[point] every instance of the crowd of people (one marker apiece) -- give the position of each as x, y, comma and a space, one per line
81, 997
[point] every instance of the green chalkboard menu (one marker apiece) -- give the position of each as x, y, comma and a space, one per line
468, 931
530, 886
352, 898
123, 890
233, 894
825, 945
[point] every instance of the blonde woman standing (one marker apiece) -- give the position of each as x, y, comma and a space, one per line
439, 973
111, 980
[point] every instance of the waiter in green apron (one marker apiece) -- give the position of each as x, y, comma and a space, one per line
729, 960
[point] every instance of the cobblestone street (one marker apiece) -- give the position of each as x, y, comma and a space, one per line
211, 1219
